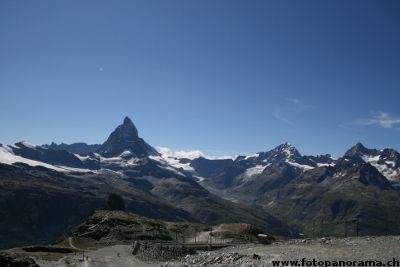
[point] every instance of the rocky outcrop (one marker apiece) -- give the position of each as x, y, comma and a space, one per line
16, 260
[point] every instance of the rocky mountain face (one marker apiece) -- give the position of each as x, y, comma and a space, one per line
75, 148
125, 139
362, 185
46, 192
114, 225
38, 204
387, 161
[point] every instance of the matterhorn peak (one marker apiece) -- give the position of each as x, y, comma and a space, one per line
126, 138
129, 130
127, 120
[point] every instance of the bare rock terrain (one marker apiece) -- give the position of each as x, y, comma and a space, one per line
352, 251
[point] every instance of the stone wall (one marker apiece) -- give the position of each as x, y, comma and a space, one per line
160, 253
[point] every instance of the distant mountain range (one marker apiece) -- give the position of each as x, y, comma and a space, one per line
76, 148
44, 192
48, 190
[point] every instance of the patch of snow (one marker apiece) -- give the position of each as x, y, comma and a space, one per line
113, 160
126, 153
255, 170
252, 156
82, 158
174, 162
385, 169
199, 179
392, 163
300, 166
251, 174
325, 164
72, 169
288, 151
171, 164
132, 161
8, 157
370, 159
28, 145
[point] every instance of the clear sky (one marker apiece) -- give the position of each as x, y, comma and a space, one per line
223, 77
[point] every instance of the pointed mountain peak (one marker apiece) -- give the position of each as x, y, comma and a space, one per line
288, 149
125, 138
360, 147
360, 151
127, 120
286, 145
356, 150
129, 130
283, 152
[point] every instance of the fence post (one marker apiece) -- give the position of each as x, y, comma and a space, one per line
313, 230
357, 226
322, 228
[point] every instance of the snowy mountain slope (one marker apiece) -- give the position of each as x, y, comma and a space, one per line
247, 171
125, 164
272, 179
333, 194
284, 151
387, 161
7, 156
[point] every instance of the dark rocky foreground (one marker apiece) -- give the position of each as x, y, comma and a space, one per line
353, 250
16, 260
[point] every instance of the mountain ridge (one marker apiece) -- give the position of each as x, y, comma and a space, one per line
51, 180
269, 188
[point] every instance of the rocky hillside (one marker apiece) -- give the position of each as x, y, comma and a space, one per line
306, 191
120, 226
45, 192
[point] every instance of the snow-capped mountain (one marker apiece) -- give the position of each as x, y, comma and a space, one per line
123, 149
280, 181
282, 152
32, 155
45, 192
125, 141
386, 161
302, 189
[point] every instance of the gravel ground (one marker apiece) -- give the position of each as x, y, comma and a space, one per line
105, 257
344, 249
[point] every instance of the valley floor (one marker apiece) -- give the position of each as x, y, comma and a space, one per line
354, 251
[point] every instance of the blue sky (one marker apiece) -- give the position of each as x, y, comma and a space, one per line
223, 77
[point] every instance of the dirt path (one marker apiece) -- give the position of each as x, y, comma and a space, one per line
204, 237
70, 243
